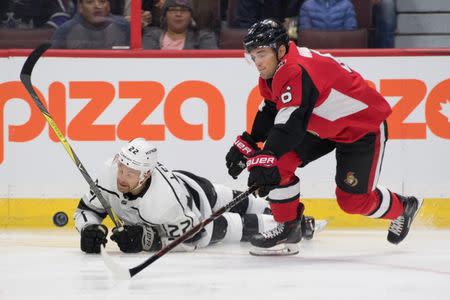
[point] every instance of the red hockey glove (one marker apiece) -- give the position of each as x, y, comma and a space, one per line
264, 172
243, 148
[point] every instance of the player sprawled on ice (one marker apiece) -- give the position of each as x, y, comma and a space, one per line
313, 104
158, 205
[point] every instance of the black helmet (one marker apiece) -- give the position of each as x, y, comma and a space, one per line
266, 33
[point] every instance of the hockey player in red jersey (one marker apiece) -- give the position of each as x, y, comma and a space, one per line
314, 104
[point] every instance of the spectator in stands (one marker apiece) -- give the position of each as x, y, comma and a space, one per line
157, 12
385, 20
94, 27
223, 10
206, 15
178, 30
30, 14
250, 11
327, 15
123, 8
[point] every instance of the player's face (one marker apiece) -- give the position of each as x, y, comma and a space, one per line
178, 18
94, 11
265, 60
127, 178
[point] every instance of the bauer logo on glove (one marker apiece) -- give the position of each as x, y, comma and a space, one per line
266, 161
244, 147
263, 172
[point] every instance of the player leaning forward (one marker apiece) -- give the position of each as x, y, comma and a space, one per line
312, 105
158, 205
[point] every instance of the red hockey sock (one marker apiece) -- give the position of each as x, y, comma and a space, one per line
396, 208
284, 212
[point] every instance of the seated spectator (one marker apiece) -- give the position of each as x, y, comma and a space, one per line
123, 8
30, 14
92, 28
147, 7
385, 21
249, 12
327, 15
157, 12
206, 15
178, 30
223, 10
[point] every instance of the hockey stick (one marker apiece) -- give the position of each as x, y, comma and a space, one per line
25, 77
124, 273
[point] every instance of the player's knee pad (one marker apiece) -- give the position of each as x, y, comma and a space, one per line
355, 203
227, 228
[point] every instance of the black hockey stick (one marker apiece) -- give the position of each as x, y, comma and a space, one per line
124, 273
25, 77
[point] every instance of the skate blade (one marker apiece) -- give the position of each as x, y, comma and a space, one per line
320, 225
419, 206
278, 250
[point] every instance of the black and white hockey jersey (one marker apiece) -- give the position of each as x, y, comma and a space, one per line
165, 204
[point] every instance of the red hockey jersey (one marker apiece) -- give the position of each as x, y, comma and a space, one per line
326, 97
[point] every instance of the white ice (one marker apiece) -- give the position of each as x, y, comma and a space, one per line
335, 265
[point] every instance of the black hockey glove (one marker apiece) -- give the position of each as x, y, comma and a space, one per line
92, 237
236, 158
264, 172
135, 238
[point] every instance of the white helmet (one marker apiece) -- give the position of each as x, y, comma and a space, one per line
139, 155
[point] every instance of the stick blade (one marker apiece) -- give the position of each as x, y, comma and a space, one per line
33, 58
118, 271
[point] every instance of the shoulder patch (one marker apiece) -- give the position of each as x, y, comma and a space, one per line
286, 96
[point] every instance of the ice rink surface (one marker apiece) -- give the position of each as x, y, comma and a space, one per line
335, 265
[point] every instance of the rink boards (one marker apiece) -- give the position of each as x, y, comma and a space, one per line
192, 106
39, 213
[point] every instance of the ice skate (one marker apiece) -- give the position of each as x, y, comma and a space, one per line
310, 226
281, 240
399, 227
